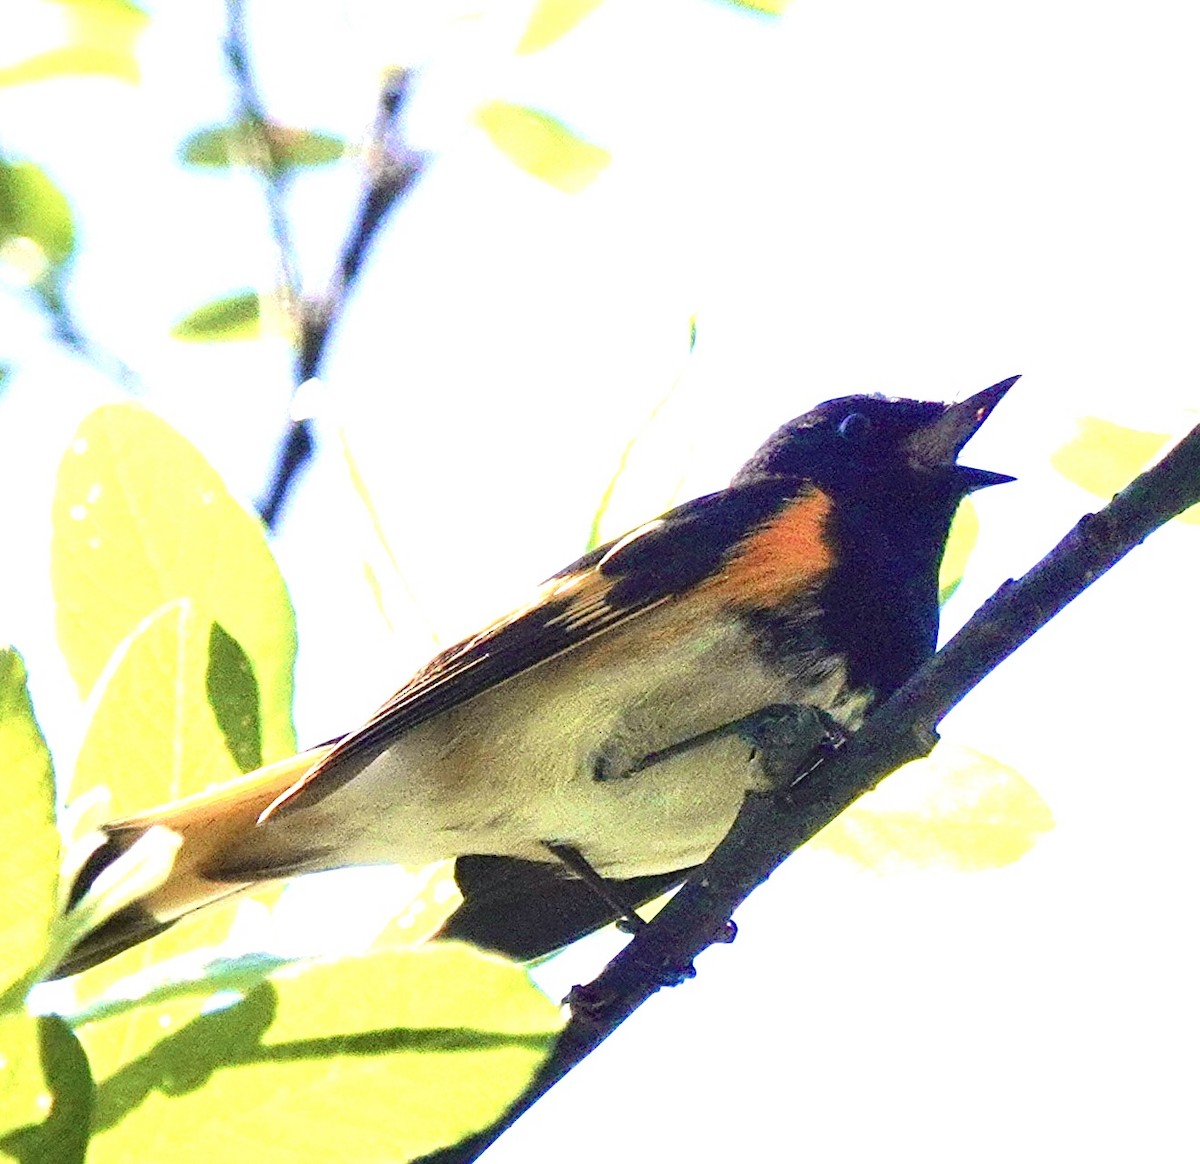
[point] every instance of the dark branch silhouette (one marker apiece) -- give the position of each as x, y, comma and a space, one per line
773, 825
391, 170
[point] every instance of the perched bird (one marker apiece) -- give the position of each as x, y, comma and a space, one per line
594, 733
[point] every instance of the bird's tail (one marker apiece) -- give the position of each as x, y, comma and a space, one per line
204, 828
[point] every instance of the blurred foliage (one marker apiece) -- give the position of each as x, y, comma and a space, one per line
765, 7
32, 208
1103, 457
542, 146
89, 37
955, 809
551, 20
964, 533
236, 145
235, 317
28, 836
187, 658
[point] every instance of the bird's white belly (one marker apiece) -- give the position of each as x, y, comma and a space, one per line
516, 766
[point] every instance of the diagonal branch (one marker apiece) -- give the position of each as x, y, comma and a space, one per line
771, 826
392, 169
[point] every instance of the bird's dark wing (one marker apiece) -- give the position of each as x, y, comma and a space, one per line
603, 589
527, 909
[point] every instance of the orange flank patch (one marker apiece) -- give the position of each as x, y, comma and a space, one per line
787, 555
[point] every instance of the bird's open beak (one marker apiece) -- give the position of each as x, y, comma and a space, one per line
938, 445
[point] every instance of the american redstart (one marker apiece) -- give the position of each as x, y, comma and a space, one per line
596, 729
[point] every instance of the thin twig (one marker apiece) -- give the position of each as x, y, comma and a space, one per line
391, 170
251, 119
66, 331
771, 826
48, 295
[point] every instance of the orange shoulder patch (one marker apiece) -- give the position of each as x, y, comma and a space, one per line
785, 556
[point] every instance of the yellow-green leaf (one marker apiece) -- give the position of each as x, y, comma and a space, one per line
764, 7
552, 19
33, 210
542, 146
75, 38
435, 897
140, 521
957, 809
28, 835
234, 317
152, 738
222, 146
383, 1057
46, 1092
964, 533
1103, 457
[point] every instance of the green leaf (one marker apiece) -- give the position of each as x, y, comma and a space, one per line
46, 1092
955, 809
552, 19
383, 1057
23, 1093
239, 975
233, 697
964, 533
234, 317
29, 845
140, 521
1103, 457
95, 37
33, 208
222, 146
542, 146
152, 738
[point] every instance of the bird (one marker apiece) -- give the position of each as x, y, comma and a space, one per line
579, 756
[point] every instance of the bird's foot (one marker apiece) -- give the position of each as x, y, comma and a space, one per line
782, 736
785, 735
628, 921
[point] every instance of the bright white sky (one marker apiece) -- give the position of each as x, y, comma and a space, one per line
918, 199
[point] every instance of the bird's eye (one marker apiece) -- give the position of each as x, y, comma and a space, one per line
855, 428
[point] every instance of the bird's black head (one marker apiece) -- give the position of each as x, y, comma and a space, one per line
890, 470
890, 448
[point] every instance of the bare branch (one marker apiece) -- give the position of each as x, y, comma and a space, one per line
771, 826
391, 170
252, 119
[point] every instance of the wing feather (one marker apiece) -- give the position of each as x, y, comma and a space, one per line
608, 586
